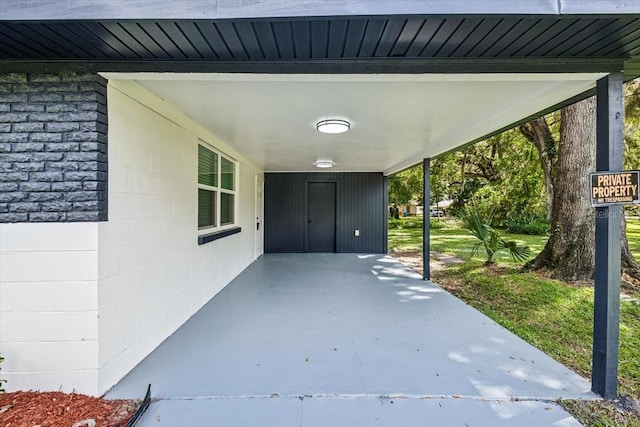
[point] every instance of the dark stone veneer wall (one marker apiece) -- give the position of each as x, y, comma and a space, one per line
53, 147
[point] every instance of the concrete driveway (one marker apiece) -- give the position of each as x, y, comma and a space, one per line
347, 340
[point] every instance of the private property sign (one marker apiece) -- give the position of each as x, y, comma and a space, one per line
610, 188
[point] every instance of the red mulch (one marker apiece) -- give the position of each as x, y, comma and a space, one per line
56, 409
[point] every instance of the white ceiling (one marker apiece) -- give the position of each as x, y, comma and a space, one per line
396, 120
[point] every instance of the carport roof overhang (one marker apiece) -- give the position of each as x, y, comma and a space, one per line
396, 120
415, 78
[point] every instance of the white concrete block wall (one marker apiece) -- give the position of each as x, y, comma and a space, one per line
49, 306
82, 303
153, 275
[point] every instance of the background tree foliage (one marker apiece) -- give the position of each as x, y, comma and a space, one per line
502, 175
406, 186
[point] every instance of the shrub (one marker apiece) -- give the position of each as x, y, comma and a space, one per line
405, 223
395, 224
437, 223
413, 223
527, 224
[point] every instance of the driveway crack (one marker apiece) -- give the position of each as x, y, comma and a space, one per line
355, 351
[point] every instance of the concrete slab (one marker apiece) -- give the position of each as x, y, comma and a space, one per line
359, 412
341, 328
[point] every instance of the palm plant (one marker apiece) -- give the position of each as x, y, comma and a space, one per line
489, 238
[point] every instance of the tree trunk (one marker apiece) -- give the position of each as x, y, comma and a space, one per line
462, 171
569, 252
630, 267
538, 133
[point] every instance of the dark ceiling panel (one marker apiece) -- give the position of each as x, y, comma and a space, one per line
20, 46
462, 33
8, 48
283, 33
266, 39
6, 51
475, 38
319, 38
137, 39
247, 35
101, 48
355, 36
302, 39
84, 44
389, 37
61, 42
496, 33
407, 36
525, 39
635, 51
593, 27
197, 39
102, 32
619, 46
613, 39
320, 41
372, 35
211, 34
337, 36
426, 33
231, 40
510, 38
566, 34
595, 38
441, 37
154, 30
544, 35
52, 48
632, 46
175, 34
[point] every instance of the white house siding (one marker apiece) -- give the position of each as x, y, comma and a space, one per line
49, 306
82, 303
153, 275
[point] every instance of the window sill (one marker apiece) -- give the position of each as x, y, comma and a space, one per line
210, 237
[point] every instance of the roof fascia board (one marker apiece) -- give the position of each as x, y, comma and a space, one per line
52, 10
373, 66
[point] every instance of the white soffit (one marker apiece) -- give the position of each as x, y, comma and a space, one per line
396, 120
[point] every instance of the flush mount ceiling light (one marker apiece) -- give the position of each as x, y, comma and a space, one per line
333, 126
324, 163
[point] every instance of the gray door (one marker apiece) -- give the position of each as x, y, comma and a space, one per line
321, 217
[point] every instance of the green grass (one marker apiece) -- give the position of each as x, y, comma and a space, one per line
633, 235
448, 237
555, 316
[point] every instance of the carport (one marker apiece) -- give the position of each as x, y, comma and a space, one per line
347, 339
414, 79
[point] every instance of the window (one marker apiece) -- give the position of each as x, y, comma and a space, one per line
216, 189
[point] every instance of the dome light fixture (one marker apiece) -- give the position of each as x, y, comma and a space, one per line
324, 163
333, 126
